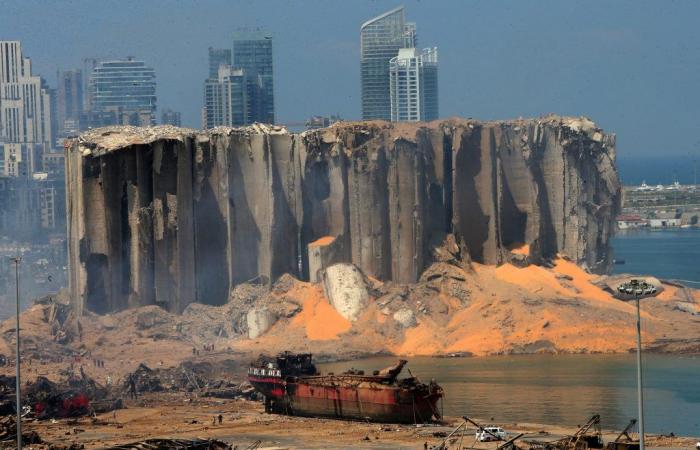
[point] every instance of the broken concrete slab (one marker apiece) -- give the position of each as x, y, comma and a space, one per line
405, 317
259, 320
323, 252
345, 288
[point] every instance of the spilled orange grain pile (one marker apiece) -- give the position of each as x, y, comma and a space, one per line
317, 317
510, 309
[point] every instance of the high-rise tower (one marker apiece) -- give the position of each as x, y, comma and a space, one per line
69, 102
252, 52
414, 86
25, 106
218, 57
380, 40
122, 92
226, 99
25, 113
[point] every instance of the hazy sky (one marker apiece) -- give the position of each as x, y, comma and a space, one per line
632, 66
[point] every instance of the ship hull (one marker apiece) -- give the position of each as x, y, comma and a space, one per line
346, 399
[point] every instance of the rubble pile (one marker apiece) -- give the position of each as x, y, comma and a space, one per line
45, 399
60, 327
8, 433
168, 444
200, 378
65, 327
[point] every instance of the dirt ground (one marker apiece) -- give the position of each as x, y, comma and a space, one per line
177, 415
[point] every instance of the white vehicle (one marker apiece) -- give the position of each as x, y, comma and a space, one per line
487, 434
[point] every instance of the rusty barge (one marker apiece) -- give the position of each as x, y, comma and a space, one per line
292, 385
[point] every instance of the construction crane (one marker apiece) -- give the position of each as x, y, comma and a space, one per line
507, 445
580, 440
594, 440
627, 443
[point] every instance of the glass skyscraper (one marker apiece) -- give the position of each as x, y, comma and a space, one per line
414, 85
252, 52
218, 57
123, 92
380, 40
69, 102
225, 99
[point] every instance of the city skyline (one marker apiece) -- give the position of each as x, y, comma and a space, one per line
600, 61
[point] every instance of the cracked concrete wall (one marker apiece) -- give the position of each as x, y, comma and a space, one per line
171, 216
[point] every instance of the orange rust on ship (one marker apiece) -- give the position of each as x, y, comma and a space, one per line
292, 385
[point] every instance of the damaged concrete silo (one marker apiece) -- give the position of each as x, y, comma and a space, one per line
171, 216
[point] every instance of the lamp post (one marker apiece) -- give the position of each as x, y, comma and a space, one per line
640, 394
17, 260
636, 289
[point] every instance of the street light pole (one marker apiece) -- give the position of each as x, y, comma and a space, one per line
636, 290
640, 398
17, 260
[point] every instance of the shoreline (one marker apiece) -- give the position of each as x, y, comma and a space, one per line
183, 415
323, 358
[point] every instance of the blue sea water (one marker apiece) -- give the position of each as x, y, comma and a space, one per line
671, 254
562, 389
657, 170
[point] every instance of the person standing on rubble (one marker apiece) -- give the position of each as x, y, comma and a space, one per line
132, 387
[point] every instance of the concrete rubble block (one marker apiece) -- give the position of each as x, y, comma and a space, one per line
259, 320
151, 317
441, 271
446, 249
323, 253
345, 288
405, 317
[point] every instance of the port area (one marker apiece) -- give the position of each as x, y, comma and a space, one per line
244, 424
